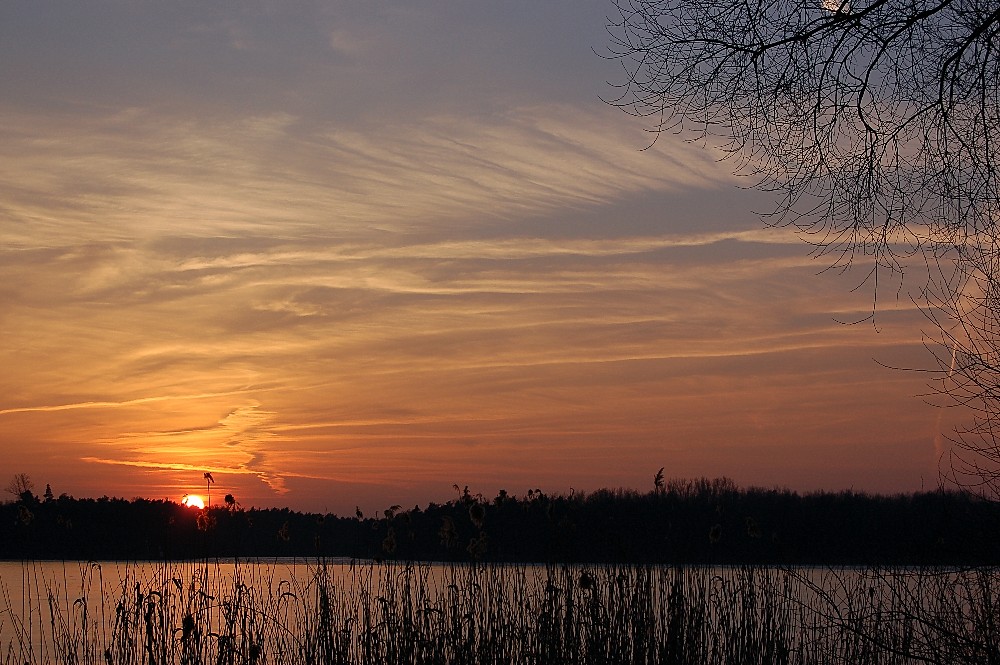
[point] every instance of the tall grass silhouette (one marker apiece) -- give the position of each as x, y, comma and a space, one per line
396, 613
208, 487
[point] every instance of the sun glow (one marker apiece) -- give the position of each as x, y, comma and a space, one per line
193, 501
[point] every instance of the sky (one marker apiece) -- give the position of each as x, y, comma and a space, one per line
345, 254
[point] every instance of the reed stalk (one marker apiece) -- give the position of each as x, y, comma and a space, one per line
462, 614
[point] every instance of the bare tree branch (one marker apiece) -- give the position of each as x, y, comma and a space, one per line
875, 125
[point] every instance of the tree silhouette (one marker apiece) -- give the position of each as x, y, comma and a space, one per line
875, 125
20, 484
688, 521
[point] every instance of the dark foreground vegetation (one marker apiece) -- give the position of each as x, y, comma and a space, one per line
684, 522
494, 614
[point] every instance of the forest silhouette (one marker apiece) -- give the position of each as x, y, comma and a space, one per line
680, 521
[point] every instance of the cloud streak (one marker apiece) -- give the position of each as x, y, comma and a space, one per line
99, 177
122, 404
313, 252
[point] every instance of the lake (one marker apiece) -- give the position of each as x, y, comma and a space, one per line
343, 611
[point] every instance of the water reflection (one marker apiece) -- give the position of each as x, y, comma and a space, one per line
290, 610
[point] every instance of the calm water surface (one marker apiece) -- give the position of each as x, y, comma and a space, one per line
46, 605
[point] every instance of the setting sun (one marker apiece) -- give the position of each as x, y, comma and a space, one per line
331, 310
193, 501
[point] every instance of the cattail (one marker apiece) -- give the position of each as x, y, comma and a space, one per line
187, 628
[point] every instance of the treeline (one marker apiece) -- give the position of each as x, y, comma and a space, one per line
694, 522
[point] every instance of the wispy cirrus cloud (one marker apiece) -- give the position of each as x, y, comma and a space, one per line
309, 249
125, 403
240, 443
133, 174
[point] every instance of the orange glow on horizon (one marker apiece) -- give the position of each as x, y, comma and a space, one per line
294, 304
193, 501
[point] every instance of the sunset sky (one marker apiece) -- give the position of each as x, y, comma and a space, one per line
353, 253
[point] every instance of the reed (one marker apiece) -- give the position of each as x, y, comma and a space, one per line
414, 614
